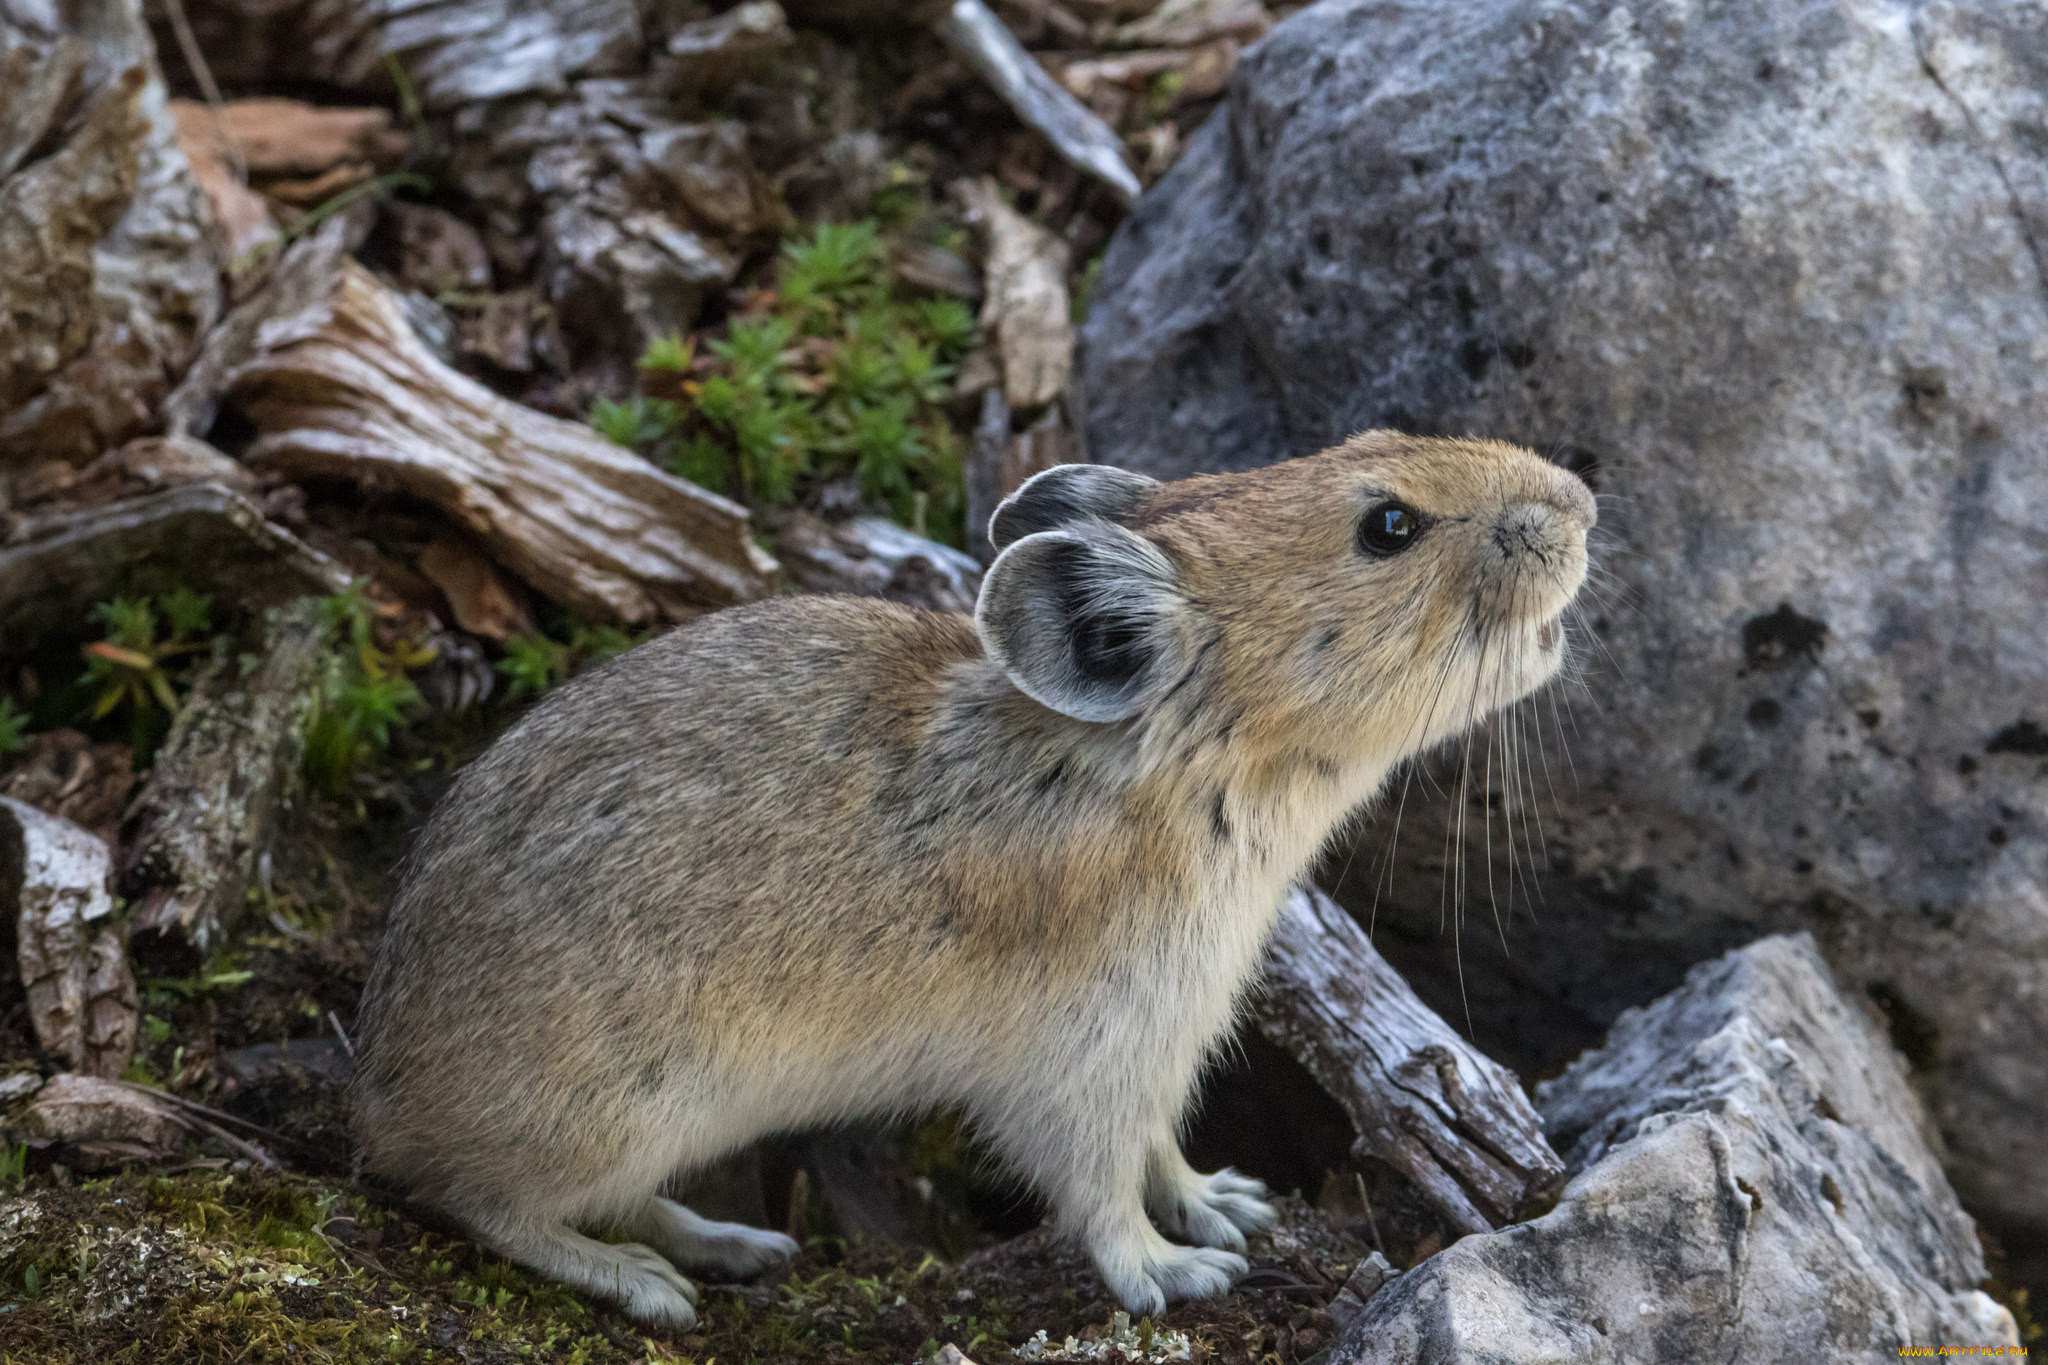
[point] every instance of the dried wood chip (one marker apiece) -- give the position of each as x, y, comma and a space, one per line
1421, 1098
74, 964
65, 774
279, 138
93, 1110
479, 597
1026, 308
241, 217
585, 522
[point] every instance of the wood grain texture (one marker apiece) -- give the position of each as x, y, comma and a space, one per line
1422, 1099
355, 395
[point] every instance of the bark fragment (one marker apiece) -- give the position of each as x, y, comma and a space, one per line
204, 819
81, 993
111, 274
1026, 308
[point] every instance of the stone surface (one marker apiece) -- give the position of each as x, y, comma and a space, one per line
1770, 273
1752, 1185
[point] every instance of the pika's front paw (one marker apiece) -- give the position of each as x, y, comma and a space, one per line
689, 1239
740, 1251
1217, 1210
1145, 1283
649, 1289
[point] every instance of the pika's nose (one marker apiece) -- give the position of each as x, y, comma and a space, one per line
1570, 496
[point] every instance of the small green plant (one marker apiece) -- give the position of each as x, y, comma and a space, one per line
13, 1163
535, 663
13, 727
364, 690
132, 669
671, 353
637, 422
828, 374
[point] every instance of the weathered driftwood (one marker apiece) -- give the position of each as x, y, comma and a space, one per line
53, 567
203, 821
74, 964
587, 523
304, 276
975, 35
1421, 1098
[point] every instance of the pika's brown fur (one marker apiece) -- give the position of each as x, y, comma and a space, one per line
828, 858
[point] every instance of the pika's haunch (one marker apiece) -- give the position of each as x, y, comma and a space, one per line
826, 858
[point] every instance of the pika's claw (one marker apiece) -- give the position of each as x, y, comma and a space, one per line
649, 1288
1215, 1210
1145, 1276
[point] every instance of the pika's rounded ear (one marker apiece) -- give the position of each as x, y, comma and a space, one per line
1087, 619
1064, 493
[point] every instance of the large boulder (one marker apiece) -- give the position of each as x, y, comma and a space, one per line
1771, 273
1750, 1184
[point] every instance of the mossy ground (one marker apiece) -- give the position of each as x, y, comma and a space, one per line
212, 1264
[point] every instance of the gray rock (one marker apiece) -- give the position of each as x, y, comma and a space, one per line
1771, 272
1752, 1185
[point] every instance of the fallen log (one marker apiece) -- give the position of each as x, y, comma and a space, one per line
196, 834
81, 992
1421, 1098
587, 523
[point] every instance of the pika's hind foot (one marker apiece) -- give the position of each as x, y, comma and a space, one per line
1208, 1210
1145, 1271
690, 1239
636, 1277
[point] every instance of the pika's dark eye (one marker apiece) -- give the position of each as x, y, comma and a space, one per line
1389, 528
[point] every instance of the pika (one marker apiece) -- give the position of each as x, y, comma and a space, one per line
828, 858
